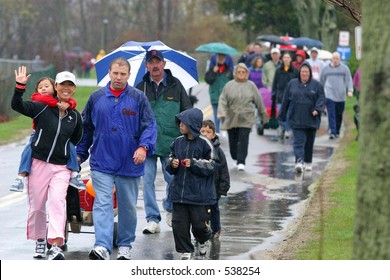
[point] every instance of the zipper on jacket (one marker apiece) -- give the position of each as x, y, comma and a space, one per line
56, 136
185, 173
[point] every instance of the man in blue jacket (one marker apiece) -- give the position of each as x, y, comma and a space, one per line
120, 128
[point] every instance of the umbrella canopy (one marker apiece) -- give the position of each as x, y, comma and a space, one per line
181, 65
324, 55
217, 47
289, 46
273, 39
308, 42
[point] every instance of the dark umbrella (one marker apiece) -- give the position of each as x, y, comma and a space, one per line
308, 42
273, 39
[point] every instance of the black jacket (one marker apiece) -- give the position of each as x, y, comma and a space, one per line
281, 80
53, 133
300, 100
221, 175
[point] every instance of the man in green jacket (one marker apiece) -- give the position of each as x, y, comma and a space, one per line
168, 98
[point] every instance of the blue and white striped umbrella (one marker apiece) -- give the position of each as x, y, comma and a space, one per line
181, 65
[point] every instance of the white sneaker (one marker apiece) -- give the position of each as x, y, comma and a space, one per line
40, 248
298, 167
55, 253
169, 219
241, 167
99, 253
18, 185
202, 249
308, 166
151, 228
124, 253
185, 256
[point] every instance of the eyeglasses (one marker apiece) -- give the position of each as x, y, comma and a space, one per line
241, 72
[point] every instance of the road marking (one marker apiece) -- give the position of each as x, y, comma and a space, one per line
12, 201
11, 195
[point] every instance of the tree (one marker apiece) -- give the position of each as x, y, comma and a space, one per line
261, 16
372, 230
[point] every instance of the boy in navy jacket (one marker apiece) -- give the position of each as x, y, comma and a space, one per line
192, 190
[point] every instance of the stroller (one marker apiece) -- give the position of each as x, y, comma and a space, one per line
272, 112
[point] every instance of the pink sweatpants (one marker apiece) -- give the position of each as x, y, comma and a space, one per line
47, 183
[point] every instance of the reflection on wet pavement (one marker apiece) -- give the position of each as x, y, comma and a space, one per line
258, 205
250, 216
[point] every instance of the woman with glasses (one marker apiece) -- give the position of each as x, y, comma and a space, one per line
236, 109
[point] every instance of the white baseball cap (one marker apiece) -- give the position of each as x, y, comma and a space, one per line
65, 76
275, 50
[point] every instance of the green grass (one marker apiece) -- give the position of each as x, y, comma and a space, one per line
338, 223
20, 127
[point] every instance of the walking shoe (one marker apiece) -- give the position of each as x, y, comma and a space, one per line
308, 166
124, 253
202, 249
99, 253
77, 183
241, 167
185, 256
17, 186
298, 167
332, 136
40, 249
169, 219
151, 227
55, 253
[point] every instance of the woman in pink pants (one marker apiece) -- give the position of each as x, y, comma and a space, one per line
49, 176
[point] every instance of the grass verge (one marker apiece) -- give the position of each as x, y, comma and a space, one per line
331, 236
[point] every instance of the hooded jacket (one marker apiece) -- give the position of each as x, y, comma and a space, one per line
194, 184
301, 99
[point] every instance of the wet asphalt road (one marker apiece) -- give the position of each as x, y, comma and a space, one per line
262, 202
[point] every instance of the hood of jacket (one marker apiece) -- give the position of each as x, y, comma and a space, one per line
307, 64
192, 118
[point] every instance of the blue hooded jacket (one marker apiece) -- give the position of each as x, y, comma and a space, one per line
114, 128
194, 184
300, 100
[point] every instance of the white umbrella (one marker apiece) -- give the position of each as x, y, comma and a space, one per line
181, 65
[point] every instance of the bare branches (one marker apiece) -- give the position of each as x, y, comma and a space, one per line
348, 5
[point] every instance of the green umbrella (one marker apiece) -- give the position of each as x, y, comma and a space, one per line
216, 47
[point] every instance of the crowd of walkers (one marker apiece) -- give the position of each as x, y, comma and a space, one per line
125, 130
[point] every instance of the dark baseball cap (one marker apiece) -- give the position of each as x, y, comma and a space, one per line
154, 53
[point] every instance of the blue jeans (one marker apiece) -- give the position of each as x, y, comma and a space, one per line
216, 120
149, 188
335, 115
285, 125
103, 209
26, 158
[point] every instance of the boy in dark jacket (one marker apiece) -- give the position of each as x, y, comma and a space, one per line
221, 175
192, 190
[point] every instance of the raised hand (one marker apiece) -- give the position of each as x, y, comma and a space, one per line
20, 75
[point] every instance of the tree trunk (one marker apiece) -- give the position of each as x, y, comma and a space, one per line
308, 13
372, 229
